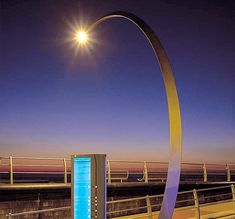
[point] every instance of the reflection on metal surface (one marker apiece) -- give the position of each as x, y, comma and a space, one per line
173, 176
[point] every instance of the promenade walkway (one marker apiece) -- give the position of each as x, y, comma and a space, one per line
223, 210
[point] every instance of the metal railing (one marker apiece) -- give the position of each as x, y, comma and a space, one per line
10, 215
33, 165
117, 170
148, 206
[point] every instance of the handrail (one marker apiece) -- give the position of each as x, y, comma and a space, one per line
214, 188
38, 158
10, 215
122, 161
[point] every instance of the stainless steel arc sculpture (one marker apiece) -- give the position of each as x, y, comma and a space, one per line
173, 176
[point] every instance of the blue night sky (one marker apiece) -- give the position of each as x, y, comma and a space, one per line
58, 100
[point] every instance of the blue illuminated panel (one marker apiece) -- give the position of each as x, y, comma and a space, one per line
82, 188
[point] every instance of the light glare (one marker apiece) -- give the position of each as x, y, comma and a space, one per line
81, 37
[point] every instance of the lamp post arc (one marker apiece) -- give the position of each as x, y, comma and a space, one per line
173, 175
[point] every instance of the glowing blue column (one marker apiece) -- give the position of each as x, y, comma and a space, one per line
82, 188
88, 190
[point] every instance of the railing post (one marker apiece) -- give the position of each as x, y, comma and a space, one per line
9, 216
0, 160
149, 207
204, 173
109, 171
233, 195
228, 173
196, 203
65, 171
11, 169
146, 179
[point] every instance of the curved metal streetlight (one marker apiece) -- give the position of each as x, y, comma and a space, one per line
173, 176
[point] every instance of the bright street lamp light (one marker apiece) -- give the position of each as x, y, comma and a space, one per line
81, 37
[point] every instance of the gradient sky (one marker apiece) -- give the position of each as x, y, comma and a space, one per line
57, 100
